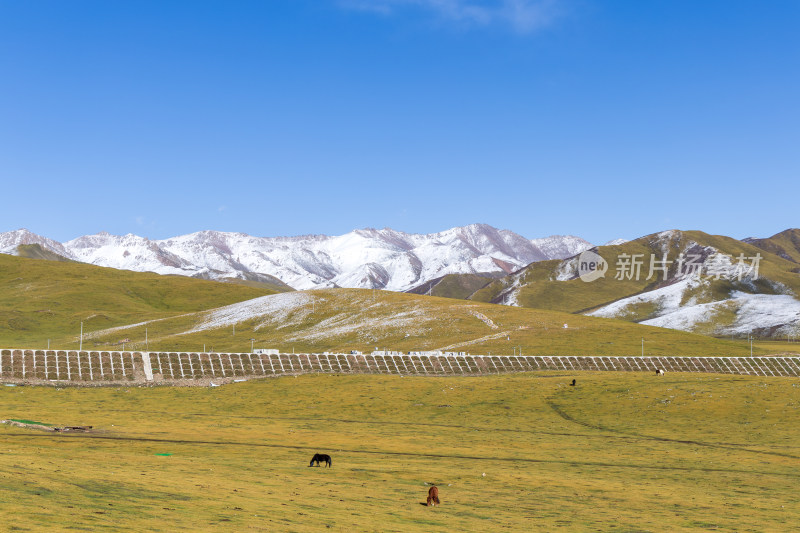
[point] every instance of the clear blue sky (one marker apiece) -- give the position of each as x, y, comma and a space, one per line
602, 119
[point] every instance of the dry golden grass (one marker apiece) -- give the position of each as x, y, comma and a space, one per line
341, 320
621, 452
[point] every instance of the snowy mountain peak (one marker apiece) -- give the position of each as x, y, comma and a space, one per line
9, 241
561, 246
365, 258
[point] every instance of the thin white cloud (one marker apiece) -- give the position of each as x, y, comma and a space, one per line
144, 222
528, 15
523, 15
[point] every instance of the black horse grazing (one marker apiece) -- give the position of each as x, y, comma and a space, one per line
325, 458
572, 384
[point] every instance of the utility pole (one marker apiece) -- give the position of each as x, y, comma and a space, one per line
751, 346
642, 346
252, 341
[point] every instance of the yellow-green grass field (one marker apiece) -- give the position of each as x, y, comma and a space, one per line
43, 303
773, 346
540, 288
525, 452
340, 320
42, 300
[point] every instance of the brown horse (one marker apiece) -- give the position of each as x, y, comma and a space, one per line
433, 496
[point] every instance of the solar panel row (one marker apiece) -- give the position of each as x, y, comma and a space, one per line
102, 366
69, 365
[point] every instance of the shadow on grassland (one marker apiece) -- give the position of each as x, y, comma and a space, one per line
725, 446
23, 436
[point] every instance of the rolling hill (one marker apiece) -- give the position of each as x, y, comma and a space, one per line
341, 320
685, 280
700, 283
785, 244
461, 286
43, 299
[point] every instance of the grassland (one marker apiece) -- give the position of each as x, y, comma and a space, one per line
44, 302
341, 320
35, 251
540, 288
785, 244
618, 452
41, 299
461, 286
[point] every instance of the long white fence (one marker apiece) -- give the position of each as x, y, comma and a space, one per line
102, 367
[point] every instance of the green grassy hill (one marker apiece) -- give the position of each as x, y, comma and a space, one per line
341, 320
785, 244
35, 251
461, 286
618, 452
556, 285
42, 299
541, 287
47, 300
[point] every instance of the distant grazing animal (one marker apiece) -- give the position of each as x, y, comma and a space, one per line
659, 372
572, 384
325, 458
433, 496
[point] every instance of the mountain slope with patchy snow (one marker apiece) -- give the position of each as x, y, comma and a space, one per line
355, 319
690, 281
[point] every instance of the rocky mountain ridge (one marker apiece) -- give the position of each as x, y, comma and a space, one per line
366, 258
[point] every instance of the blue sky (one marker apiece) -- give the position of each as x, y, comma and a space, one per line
286, 117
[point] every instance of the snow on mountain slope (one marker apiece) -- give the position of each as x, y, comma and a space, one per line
762, 314
561, 246
777, 311
355, 313
128, 252
677, 307
275, 307
11, 239
367, 258
668, 300
700, 289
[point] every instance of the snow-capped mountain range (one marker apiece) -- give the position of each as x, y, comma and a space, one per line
367, 258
